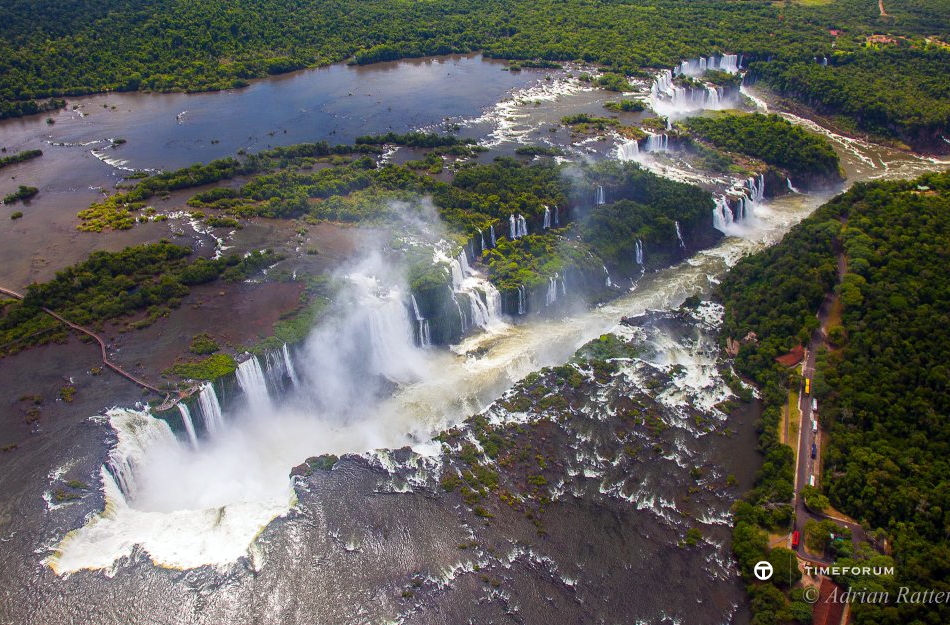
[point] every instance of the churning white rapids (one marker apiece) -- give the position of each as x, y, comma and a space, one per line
188, 505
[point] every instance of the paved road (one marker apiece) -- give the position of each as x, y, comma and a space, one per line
806, 466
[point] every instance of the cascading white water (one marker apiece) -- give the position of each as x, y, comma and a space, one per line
189, 424
657, 143
289, 365
791, 187
275, 371
547, 218
251, 379
639, 252
481, 236
484, 300
130, 453
699, 66
756, 188
425, 340
607, 281
629, 150
517, 226
722, 214
669, 99
552, 290
210, 409
522, 304
600, 197
557, 221
491, 229
679, 235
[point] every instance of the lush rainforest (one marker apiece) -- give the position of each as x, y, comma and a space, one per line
772, 139
881, 381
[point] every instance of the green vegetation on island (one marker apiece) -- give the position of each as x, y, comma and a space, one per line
19, 157
803, 155
150, 279
23, 193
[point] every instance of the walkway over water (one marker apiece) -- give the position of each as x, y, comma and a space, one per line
170, 400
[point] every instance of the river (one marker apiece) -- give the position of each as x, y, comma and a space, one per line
235, 543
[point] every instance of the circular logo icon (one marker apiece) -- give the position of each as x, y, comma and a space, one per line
811, 594
763, 570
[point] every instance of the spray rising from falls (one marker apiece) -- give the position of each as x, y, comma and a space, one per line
672, 97
483, 299
738, 209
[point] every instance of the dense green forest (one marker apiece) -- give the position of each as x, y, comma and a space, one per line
882, 384
804, 155
49, 48
898, 91
108, 285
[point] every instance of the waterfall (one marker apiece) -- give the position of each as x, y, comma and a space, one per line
722, 214
557, 221
390, 336
275, 371
657, 143
788, 181
756, 188
210, 409
522, 227
289, 366
464, 268
484, 300
492, 230
639, 251
600, 197
607, 282
512, 227
250, 378
455, 265
668, 98
481, 236
424, 339
699, 66
137, 433
679, 235
522, 304
552, 290
547, 218
628, 150
458, 307
189, 425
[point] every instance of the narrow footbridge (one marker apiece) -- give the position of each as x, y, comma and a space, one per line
170, 399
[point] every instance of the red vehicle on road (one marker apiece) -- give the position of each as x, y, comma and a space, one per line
795, 538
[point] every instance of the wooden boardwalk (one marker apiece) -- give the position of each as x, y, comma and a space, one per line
170, 400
